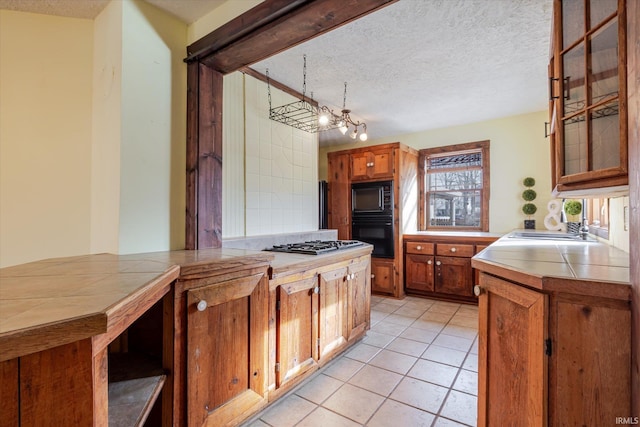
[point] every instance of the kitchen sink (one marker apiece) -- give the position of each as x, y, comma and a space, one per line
549, 236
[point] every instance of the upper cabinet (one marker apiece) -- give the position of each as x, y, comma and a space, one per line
588, 96
373, 164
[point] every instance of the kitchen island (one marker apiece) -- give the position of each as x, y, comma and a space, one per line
554, 332
77, 332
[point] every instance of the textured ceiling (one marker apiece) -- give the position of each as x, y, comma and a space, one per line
411, 66
424, 64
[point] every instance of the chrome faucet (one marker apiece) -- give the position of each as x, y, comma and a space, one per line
584, 229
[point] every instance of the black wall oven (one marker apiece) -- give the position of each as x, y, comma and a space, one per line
372, 216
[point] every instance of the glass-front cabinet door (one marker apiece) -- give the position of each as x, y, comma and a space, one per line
588, 94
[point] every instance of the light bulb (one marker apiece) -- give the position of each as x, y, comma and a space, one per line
364, 136
323, 119
354, 134
343, 129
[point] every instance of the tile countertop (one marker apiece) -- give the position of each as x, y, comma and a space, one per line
57, 301
52, 302
590, 267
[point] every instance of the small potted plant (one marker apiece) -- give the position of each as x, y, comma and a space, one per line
573, 209
529, 195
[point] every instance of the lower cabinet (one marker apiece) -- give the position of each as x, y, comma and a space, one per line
221, 343
550, 357
318, 313
383, 276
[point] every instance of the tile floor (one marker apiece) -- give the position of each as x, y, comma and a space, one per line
417, 366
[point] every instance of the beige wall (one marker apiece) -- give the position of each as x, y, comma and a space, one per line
45, 136
217, 17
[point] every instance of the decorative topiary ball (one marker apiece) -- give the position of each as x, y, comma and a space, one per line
529, 182
529, 195
529, 208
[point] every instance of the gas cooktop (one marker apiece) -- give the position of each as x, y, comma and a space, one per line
315, 247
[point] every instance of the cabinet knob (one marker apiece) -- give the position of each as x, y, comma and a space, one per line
429, 262
419, 247
438, 262
477, 290
453, 249
202, 305
373, 276
316, 290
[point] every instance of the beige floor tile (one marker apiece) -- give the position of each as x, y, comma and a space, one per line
322, 417
433, 372
288, 412
436, 316
471, 362
421, 303
444, 308
319, 388
396, 302
388, 328
443, 422
429, 325
354, 403
409, 311
468, 322
377, 380
456, 343
467, 382
474, 347
400, 320
256, 423
420, 394
393, 413
363, 352
383, 307
377, 339
392, 361
461, 407
377, 316
343, 369
448, 356
460, 331
407, 346
419, 334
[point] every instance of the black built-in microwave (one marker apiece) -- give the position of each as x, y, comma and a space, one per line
372, 198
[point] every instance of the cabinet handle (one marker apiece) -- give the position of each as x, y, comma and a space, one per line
546, 129
419, 248
202, 305
453, 249
551, 95
429, 262
438, 263
477, 290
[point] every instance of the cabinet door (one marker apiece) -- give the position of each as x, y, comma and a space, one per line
332, 312
453, 276
360, 163
512, 365
358, 299
419, 272
339, 210
383, 276
227, 350
382, 166
297, 329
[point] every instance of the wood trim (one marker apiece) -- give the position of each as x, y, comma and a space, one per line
633, 112
286, 89
267, 29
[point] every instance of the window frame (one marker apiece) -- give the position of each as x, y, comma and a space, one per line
602, 229
423, 210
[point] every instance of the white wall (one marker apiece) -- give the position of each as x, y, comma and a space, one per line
45, 134
276, 164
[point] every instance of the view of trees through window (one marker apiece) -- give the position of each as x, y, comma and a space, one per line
454, 186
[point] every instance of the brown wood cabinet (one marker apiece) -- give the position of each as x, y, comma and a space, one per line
318, 313
221, 343
588, 109
440, 266
372, 164
393, 161
551, 357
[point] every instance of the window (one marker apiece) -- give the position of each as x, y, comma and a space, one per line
597, 214
454, 187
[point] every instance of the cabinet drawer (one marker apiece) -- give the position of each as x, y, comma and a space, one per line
419, 248
454, 250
